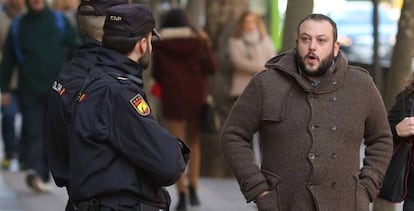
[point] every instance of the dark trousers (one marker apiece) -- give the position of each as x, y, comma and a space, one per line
32, 144
8, 121
408, 205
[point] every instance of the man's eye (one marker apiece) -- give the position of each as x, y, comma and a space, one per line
322, 41
305, 39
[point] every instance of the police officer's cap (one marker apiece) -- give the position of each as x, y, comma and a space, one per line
132, 20
97, 7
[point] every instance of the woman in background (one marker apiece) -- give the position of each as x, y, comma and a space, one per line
402, 127
250, 47
178, 62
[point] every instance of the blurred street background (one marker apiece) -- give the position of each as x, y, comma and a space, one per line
368, 38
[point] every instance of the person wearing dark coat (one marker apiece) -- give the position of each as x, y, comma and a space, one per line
402, 127
120, 158
313, 111
91, 17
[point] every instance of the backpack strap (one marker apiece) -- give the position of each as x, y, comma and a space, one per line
60, 22
15, 34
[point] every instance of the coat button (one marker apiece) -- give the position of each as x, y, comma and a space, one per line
333, 185
333, 98
333, 82
333, 156
333, 128
312, 156
312, 127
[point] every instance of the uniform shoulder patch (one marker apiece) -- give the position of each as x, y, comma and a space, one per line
140, 105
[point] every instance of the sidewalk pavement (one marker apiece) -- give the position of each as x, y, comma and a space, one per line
215, 195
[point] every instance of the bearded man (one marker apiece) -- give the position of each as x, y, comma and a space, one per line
119, 156
313, 112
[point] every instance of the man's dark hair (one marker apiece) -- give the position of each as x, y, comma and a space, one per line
122, 45
320, 17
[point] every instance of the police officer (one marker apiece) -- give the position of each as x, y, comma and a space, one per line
91, 18
120, 157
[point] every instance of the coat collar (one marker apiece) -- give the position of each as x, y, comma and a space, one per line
334, 78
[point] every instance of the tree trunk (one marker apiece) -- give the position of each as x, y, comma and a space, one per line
402, 54
221, 18
295, 11
376, 66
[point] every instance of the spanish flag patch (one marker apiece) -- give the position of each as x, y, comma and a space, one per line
140, 105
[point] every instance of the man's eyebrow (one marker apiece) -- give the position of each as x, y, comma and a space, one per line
318, 36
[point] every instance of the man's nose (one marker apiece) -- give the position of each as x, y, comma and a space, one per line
312, 45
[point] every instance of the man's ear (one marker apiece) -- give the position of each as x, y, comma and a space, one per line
142, 45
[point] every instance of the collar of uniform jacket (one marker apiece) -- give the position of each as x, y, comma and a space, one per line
118, 61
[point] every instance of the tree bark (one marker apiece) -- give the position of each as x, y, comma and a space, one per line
400, 69
296, 10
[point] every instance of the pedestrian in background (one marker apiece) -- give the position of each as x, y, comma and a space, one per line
39, 44
9, 105
402, 125
91, 18
120, 157
178, 68
250, 48
313, 111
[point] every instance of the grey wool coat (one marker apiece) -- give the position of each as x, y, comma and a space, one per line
311, 138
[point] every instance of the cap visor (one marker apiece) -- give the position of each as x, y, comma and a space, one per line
155, 33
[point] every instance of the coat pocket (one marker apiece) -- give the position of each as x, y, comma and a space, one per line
361, 196
270, 201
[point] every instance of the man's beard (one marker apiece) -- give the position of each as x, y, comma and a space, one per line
324, 66
145, 60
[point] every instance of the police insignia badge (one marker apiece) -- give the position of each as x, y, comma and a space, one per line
140, 105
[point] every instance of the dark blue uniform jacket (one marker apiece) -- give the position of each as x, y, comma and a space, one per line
119, 154
61, 99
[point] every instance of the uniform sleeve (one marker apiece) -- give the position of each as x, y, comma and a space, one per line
378, 142
139, 137
8, 62
236, 136
56, 141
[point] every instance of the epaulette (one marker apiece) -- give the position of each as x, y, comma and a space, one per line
122, 77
